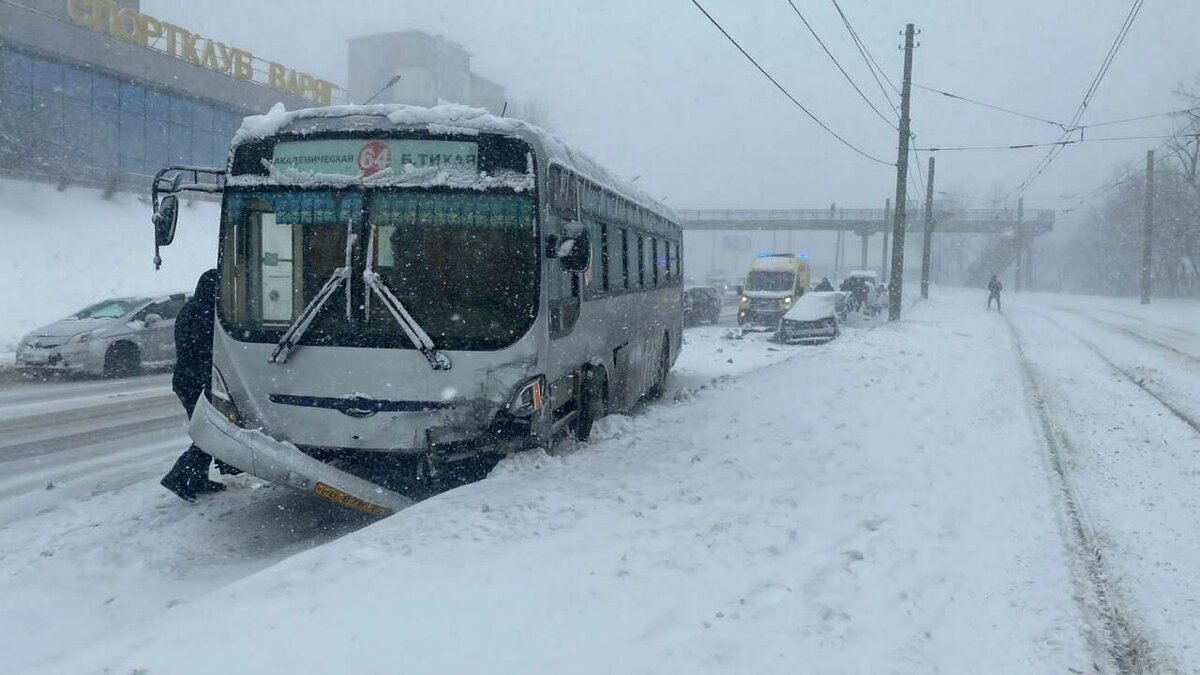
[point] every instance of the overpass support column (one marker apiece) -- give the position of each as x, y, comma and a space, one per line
1029, 276
864, 237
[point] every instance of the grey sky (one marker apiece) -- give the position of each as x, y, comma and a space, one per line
649, 87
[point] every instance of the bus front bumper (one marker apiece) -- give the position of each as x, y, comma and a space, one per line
282, 463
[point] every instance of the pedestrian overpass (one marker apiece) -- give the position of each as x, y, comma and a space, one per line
1020, 225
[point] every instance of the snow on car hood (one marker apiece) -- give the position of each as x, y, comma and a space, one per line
70, 327
815, 306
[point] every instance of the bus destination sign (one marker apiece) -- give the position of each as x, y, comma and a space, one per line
344, 157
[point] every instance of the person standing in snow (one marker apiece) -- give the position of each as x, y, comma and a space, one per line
824, 285
994, 288
193, 371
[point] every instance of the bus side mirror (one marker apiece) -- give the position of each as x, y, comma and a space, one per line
165, 219
573, 248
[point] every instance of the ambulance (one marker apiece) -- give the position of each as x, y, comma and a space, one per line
774, 283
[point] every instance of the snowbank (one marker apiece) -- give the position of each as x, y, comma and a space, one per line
66, 249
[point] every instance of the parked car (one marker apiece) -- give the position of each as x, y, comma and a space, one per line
701, 304
115, 337
815, 318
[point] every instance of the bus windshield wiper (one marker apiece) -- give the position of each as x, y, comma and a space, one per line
296, 331
412, 329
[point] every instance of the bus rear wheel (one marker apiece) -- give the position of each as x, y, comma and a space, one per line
659, 387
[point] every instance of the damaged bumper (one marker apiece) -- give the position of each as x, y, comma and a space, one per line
282, 463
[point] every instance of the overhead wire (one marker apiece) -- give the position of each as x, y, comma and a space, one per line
839, 65
785, 92
965, 99
872, 65
1026, 146
1055, 150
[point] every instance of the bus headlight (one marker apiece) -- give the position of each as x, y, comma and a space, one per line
787, 300
529, 398
221, 400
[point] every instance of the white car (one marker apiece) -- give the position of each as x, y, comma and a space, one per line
118, 336
814, 319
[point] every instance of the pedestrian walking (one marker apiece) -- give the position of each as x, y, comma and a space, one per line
994, 288
193, 372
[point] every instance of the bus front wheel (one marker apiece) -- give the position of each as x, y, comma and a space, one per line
591, 403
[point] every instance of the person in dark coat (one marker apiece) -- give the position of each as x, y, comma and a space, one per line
994, 288
824, 285
193, 372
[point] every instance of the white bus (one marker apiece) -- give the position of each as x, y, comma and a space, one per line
403, 288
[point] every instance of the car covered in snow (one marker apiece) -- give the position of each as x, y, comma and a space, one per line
114, 337
815, 318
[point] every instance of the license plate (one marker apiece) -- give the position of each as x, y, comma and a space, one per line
35, 358
350, 501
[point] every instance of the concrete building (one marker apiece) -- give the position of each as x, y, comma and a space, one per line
95, 92
431, 69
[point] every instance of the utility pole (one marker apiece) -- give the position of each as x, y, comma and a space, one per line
1020, 239
896, 286
883, 269
1148, 243
928, 233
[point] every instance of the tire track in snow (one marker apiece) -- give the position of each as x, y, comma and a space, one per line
1135, 335
1174, 409
1121, 642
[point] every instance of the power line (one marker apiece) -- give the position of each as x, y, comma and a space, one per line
872, 65
1169, 113
1025, 146
1112, 55
785, 91
959, 97
1060, 125
839, 65
1054, 151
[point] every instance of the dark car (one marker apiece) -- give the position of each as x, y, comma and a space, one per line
701, 304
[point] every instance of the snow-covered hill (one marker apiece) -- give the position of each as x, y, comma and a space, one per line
63, 250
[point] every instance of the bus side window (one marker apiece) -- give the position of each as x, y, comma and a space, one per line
603, 261
643, 254
667, 262
627, 259
638, 274
678, 262
595, 281
654, 261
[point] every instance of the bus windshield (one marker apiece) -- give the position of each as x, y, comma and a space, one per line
760, 280
464, 264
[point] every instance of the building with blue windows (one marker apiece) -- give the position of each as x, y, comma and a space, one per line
94, 92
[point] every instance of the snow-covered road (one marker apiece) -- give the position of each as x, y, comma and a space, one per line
962, 492
90, 543
1121, 385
